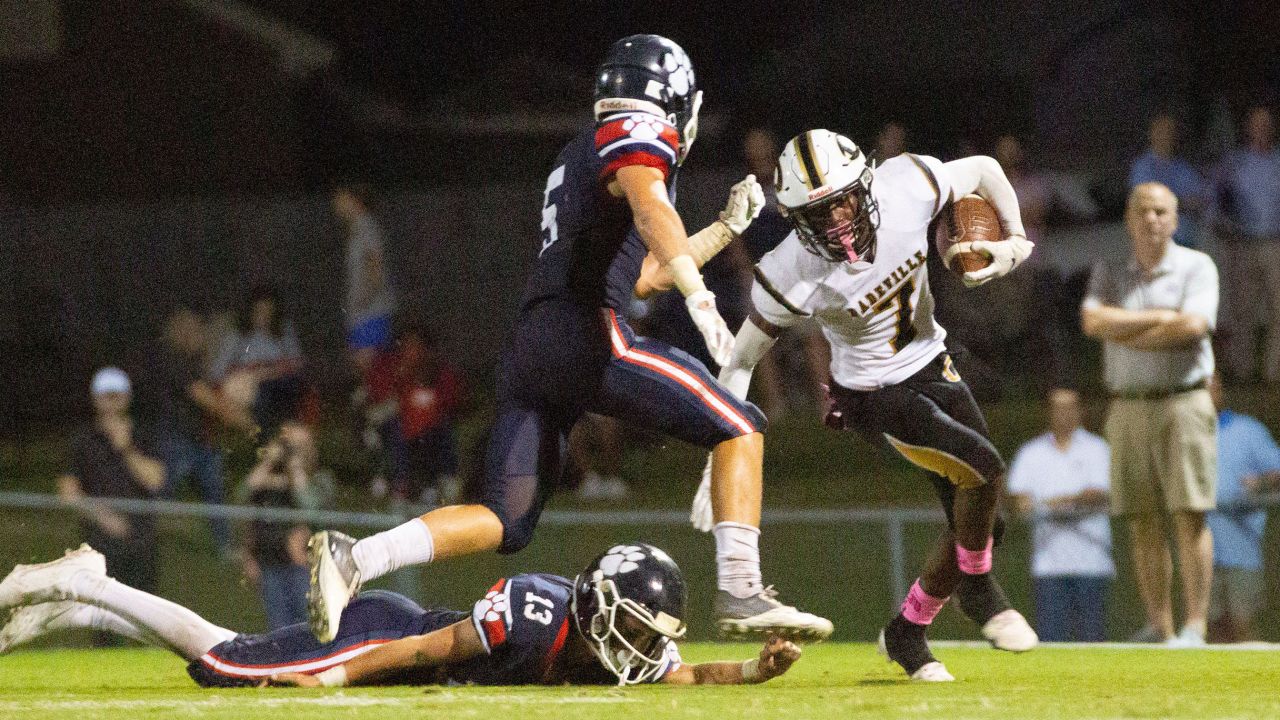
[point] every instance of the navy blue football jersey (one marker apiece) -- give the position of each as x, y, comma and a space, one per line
591, 253
524, 622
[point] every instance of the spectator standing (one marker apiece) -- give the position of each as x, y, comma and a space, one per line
415, 394
287, 476
258, 365
112, 457
184, 406
1154, 312
369, 302
1247, 221
1161, 163
1061, 480
1248, 463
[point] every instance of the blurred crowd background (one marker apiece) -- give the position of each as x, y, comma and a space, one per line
224, 199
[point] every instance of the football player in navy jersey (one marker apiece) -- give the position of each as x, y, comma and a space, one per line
616, 623
610, 231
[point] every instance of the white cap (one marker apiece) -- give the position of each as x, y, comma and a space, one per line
109, 380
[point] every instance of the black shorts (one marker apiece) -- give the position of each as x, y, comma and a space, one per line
932, 420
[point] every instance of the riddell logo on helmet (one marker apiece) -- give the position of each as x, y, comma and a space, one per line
824, 190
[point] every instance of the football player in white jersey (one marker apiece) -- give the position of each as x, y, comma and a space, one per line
855, 264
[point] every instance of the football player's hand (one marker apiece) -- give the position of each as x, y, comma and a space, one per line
702, 310
297, 680
701, 517
746, 200
776, 657
1005, 256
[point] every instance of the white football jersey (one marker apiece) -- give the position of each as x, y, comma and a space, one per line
877, 316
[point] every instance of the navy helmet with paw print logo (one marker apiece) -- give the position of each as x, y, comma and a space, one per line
649, 73
629, 604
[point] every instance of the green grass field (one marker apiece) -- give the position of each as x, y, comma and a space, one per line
844, 680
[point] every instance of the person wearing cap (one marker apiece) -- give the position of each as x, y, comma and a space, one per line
112, 457
1154, 312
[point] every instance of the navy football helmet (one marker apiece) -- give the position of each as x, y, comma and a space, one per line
629, 604
649, 73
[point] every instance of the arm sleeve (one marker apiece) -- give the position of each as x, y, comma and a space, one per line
984, 176
491, 616
1099, 284
1202, 292
636, 139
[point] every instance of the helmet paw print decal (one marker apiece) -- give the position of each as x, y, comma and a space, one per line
621, 559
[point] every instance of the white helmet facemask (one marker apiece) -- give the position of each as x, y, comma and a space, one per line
824, 188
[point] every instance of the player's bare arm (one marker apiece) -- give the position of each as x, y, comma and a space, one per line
663, 233
453, 644
746, 199
776, 657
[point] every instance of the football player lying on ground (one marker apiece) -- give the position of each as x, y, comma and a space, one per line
856, 265
617, 623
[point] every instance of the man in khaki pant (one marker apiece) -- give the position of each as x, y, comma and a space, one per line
1154, 313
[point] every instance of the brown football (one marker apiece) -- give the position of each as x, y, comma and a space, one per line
971, 218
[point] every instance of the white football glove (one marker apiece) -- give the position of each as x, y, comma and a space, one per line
746, 200
700, 517
702, 310
1005, 256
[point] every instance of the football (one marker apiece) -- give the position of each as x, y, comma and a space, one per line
971, 218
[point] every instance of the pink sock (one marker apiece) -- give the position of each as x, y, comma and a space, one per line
920, 607
974, 562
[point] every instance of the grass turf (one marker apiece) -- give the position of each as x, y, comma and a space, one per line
846, 680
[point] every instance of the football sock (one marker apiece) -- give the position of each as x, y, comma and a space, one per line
920, 607
980, 597
738, 559
409, 543
905, 643
174, 626
974, 562
83, 615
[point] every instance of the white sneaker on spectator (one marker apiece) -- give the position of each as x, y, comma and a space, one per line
31, 621
46, 582
1009, 630
1188, 638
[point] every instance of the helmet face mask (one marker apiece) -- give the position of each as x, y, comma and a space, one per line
823, 183
840, 227
627, 605
649, 73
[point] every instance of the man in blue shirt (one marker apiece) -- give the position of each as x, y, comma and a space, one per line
1161, 164
1248, 462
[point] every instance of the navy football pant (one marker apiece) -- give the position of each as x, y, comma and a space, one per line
373, 618
643, 382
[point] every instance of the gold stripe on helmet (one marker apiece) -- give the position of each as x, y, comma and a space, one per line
816, 169
801, 164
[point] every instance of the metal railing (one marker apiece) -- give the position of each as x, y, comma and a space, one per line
893, 519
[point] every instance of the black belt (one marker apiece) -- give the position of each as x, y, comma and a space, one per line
1158, 393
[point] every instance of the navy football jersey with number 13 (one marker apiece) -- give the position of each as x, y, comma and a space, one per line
591, 253
524, 622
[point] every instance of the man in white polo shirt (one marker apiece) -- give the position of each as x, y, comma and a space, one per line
1154, 312
1057, 479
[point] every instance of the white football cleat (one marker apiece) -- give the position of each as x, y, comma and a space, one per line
1008, 630
933, 672
335, 579
762, 614
47, 582
31, 621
